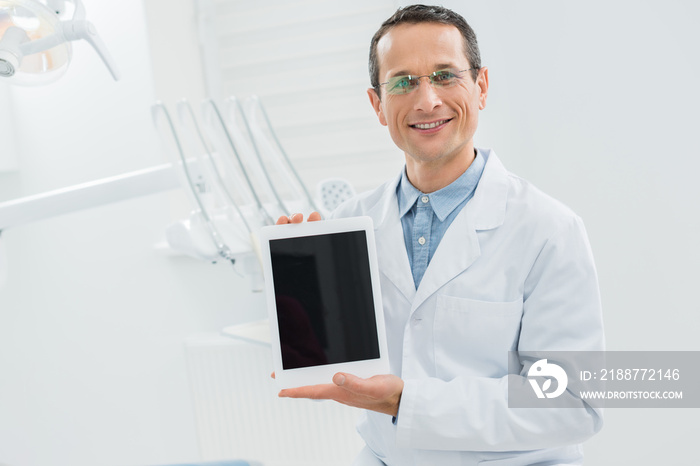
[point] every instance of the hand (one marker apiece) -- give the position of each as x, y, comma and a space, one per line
381, 393
298, 218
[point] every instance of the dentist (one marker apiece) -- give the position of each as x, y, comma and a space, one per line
474, 262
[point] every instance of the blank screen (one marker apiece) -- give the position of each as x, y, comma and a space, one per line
324, 303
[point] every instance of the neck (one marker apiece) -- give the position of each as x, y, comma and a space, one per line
431, 176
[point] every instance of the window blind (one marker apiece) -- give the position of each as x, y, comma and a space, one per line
307, 61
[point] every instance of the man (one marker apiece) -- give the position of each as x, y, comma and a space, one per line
474, 262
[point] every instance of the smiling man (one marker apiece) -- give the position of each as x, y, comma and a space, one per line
429, 99
475, 262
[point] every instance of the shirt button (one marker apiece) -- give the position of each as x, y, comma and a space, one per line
421, 240
424, 199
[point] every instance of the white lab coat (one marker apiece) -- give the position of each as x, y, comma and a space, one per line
513, 271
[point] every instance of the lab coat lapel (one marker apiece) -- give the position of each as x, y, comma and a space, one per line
459, 247
391, 249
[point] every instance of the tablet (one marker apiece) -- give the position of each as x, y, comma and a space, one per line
323, 300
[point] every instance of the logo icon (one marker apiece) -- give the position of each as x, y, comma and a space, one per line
544, 369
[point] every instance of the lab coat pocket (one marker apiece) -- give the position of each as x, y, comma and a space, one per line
473, 337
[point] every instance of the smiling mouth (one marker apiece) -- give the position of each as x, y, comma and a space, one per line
432, 125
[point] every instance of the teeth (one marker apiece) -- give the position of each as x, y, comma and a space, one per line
430, 125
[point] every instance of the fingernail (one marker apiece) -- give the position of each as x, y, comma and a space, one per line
339, 379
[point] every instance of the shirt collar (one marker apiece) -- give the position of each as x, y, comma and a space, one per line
407, 194
445, 200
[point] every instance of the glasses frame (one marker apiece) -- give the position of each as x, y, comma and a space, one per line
417, 79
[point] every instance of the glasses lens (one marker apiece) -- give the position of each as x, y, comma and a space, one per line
401, 85
408, 83
444, 78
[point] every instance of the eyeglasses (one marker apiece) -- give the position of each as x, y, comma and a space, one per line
439, 79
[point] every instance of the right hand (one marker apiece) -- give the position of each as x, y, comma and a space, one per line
298, 218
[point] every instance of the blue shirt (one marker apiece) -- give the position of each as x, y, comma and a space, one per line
426, 217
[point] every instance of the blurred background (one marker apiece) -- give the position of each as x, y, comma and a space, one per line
594, 102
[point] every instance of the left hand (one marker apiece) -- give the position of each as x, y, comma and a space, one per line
381, 393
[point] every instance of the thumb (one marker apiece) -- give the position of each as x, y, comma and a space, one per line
348, 381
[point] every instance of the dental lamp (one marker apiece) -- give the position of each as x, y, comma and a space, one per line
35, 40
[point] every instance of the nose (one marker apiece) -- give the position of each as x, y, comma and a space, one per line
426, 96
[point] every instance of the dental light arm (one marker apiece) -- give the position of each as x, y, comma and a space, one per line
71, 31
85, 30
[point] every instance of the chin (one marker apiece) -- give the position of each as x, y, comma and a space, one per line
427, 156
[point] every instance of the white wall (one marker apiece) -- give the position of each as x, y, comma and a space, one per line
92, 318
596, 103
8, 147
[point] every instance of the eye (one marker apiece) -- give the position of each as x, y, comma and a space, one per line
401, 83
443, 77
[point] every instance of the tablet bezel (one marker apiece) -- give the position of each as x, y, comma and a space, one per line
323, 373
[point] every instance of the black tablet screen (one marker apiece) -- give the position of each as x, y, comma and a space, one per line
323, 293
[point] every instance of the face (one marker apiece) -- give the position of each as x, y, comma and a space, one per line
433, 126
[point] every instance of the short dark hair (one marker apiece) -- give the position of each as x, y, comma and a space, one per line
414, 14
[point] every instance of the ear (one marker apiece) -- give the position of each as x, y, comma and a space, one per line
377, 105
483, 82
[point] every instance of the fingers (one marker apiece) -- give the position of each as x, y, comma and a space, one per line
298, 218
313, 392
293, 218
